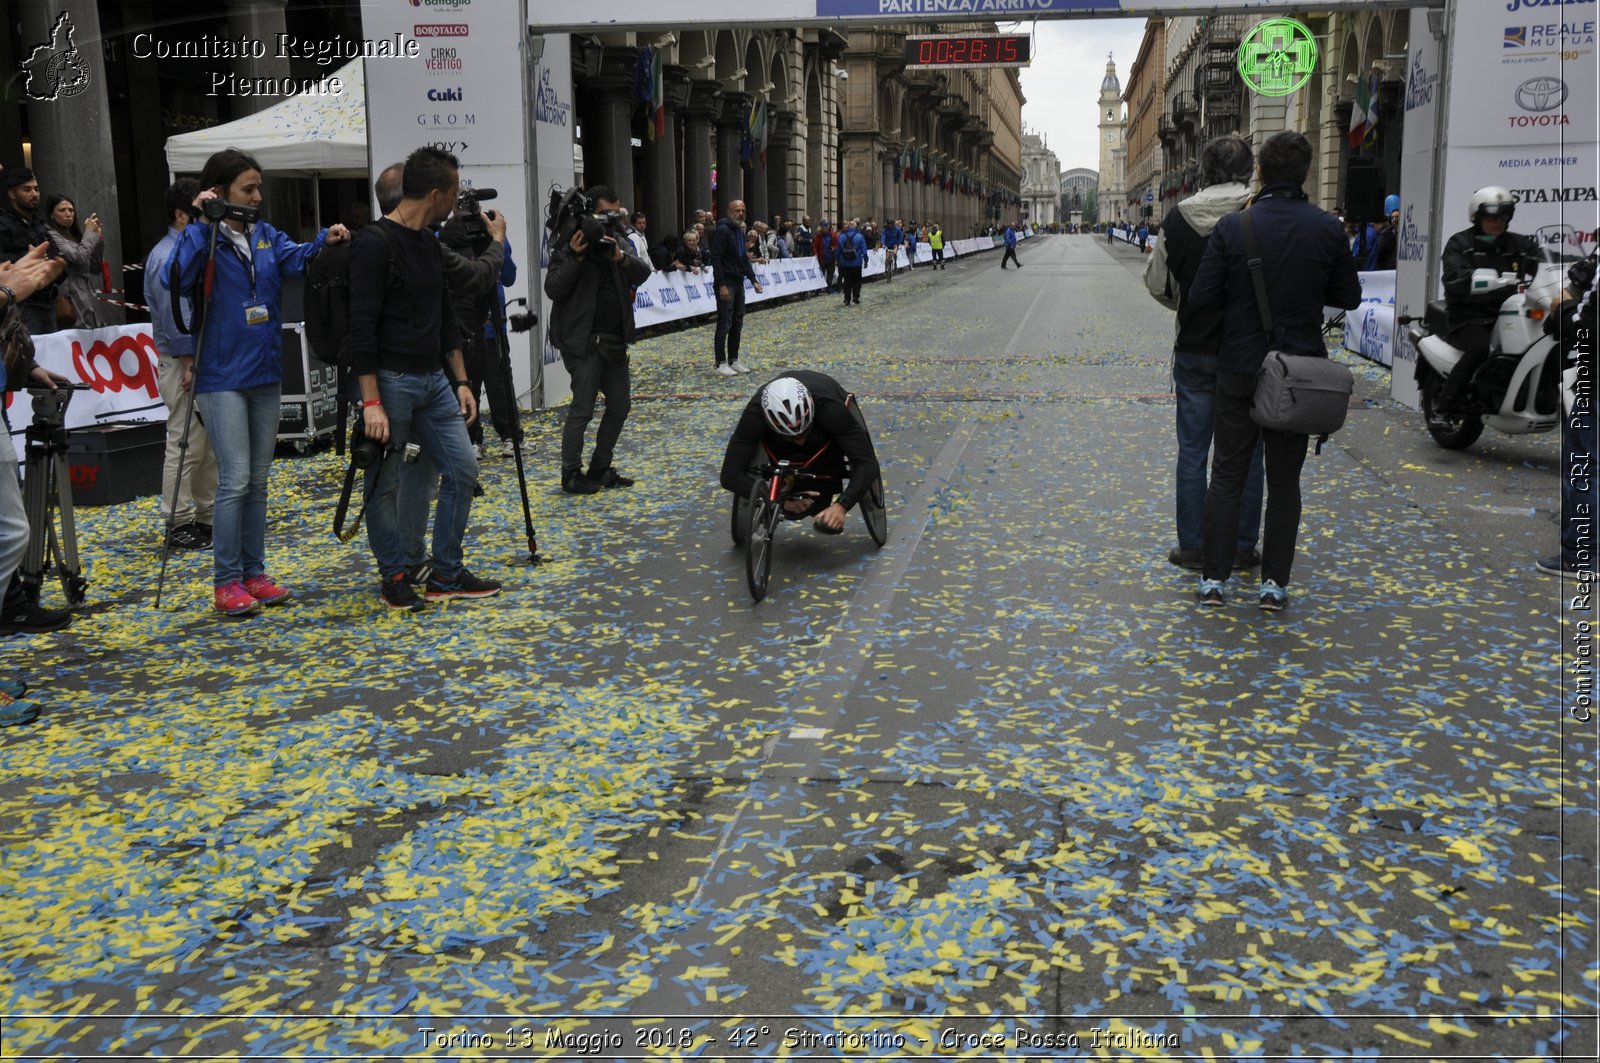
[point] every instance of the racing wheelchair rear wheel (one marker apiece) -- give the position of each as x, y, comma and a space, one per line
764, 519
740, 520
874, 514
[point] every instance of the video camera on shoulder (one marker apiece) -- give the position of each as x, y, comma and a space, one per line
218, 209
465, 231
468, 199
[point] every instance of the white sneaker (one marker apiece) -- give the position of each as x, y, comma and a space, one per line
727, 370
508, 449
740, 367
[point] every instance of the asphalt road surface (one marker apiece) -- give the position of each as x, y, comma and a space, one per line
1000, 788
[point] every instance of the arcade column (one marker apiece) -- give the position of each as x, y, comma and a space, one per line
661, 199
780, 138
608, 133
732, 116
698, 114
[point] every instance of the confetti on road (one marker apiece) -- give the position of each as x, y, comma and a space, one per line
1058, 789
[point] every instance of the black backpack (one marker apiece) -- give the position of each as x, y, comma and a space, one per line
327, 295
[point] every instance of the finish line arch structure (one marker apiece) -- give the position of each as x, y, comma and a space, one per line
1497, 127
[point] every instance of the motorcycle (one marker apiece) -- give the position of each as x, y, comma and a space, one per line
1518, 389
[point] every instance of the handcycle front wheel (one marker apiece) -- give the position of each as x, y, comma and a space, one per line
764, 519
874, 513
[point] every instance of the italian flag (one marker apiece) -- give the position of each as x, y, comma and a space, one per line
1364, 113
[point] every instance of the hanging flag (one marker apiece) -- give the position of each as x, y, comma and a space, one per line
657, 127
756, 134
747, 143
1372, 109
641, 76
1359, 116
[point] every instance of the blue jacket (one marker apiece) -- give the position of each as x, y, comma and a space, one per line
1305, 263
169, 340
508, 275
728, 255
893, 236
1011, 236
852, 249
235, 355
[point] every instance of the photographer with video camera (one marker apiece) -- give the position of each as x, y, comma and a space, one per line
591, 324
236, 375
480, 308
404, 348
19, 280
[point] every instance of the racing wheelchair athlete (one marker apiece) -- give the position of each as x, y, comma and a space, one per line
801, 449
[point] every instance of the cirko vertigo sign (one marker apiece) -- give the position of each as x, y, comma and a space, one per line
1277, 57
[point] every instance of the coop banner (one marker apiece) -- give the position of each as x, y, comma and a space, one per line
118, 363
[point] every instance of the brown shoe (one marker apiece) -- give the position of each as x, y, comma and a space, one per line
1246, 559
1186, 558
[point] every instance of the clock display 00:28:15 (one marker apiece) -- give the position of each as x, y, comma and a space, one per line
965, 51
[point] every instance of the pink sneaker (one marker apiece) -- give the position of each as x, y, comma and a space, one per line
233, 600
265, 590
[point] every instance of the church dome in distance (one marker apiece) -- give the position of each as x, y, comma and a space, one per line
1111, 84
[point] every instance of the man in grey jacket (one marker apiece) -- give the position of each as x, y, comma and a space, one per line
1225, 164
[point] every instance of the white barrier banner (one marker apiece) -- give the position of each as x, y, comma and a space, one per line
1377, 286
119, 365
1369, 332
674, 295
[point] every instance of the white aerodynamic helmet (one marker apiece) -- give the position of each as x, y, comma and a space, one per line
1492, 200
788, 406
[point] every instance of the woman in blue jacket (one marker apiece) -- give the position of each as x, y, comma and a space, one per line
240, 369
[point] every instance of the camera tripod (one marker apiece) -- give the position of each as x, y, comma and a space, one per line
47, 494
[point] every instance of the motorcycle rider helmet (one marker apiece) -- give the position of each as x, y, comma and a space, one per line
788, 407
1492, 200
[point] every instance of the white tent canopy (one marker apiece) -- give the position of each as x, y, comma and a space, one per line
303, 136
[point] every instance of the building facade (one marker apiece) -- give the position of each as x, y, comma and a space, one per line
1041, 182
1079, 188
1145, 103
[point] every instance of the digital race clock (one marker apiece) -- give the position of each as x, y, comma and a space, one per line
997, 49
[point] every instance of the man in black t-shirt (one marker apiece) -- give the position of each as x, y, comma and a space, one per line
405, 352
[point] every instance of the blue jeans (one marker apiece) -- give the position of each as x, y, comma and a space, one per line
1194, 381
423, 408
243, 426
13, 520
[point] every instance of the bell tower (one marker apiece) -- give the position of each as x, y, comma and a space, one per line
1112, 135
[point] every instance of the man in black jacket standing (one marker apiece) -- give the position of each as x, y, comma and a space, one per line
591, 324
1306, 265
1225, 166
20, 229
729, 259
